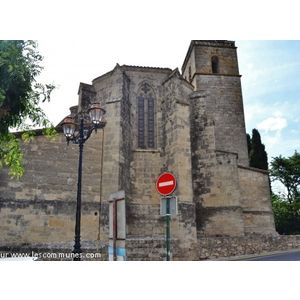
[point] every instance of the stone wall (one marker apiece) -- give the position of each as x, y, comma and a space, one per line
224, 106
176, 129
221, 247
154, 248
215, 176
41, 206
221, 208
30, 221
255, 199
209, 248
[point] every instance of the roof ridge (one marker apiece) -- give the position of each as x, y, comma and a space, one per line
146, 67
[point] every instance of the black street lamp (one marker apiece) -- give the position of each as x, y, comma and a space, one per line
96, 113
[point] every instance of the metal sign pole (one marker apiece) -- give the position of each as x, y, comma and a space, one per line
114, 229
168, 228
165, 185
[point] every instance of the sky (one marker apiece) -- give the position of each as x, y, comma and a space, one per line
271, 92
84, 40
269, 68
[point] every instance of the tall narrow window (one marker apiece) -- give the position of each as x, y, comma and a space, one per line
190, 74
146, 117
150, 122
215, 64
141, 121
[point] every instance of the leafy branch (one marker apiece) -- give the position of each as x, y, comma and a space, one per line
20, 96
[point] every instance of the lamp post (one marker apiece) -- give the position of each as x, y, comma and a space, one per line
96, 113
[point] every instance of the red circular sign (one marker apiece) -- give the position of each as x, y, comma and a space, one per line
166, 184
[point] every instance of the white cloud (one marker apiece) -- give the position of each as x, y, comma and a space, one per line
272, 141
272, 124
250, 66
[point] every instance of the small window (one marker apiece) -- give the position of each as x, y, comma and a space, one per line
215, 64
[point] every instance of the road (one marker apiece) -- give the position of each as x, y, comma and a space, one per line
283, 256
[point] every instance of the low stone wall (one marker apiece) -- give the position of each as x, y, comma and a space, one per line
153, 249
222, 247
146, 248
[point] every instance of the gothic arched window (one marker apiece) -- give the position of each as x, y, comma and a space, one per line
146, 117
215, 64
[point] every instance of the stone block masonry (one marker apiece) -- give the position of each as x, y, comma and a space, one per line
41, 206
30, 221
152, 248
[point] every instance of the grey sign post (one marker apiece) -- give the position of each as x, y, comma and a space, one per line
165, 185
168, 207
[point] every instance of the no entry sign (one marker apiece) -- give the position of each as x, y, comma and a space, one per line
166, 184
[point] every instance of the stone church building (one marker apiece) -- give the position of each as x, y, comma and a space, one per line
190, 123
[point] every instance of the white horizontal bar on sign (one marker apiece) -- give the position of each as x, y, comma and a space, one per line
166, 183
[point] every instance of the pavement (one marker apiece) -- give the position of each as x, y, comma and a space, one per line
257, 255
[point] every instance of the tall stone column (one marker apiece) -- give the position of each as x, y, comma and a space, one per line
177, 157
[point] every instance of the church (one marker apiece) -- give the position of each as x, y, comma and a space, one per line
187, 122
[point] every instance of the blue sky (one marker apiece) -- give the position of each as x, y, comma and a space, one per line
271, 92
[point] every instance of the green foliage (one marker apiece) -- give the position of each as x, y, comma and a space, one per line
258, 157
20, 95
286, 215
287, 171
11, 154
286, 207
19, 67
248, 143
28, 136
50, 132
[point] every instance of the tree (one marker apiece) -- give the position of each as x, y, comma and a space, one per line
20, 95
258, 157
287, 171
248, 143
286, 215
286, 206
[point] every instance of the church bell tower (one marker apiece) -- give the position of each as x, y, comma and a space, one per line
212, 67
218, 136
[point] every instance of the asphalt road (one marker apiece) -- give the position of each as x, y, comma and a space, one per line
284, 256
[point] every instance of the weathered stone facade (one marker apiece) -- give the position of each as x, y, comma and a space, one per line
191, 124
